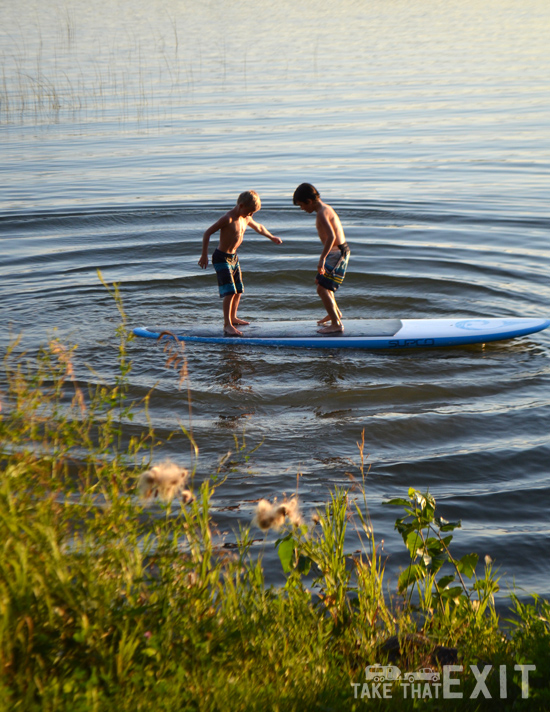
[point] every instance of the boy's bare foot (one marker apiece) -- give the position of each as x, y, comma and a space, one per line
231, 331
331, 329
241, 322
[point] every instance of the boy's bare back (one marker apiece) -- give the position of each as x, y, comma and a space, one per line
329, 226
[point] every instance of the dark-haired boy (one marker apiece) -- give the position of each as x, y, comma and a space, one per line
334, 257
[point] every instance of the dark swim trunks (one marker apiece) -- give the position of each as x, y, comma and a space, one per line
336, 264
228, 272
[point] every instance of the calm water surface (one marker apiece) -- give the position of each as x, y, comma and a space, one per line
128, 128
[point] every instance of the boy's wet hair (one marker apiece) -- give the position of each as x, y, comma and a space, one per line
250, 199
305, 192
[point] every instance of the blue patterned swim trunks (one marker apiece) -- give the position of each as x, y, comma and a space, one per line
336, 264
228, 272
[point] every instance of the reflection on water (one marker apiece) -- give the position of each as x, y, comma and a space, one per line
127, 129
233, 369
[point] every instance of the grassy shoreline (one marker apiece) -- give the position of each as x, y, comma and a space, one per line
107, 602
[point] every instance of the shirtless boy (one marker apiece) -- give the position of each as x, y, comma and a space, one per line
333, 262
225, 260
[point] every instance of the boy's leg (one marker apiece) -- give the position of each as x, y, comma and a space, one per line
336, 308
327, 283
238, 282
329, 301
228, 273
325, 319
228, 327
234, 307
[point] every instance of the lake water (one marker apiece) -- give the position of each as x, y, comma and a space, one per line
128, 128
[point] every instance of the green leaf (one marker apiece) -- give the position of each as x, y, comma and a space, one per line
446, 526
409, 576
444, 581
398, 502
467, 564
304, 565
436, 563
286, 551
434, 546
414, 542
451, 594
404, 528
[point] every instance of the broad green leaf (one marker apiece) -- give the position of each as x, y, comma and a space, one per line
436, 563
285, 551
434, 547
451, 594
467, 564
414, 542
398, 502
304, 564
444, 581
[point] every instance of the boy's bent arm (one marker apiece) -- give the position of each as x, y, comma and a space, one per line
203, 261
261, 230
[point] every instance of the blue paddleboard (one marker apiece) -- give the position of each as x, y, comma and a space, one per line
358, 334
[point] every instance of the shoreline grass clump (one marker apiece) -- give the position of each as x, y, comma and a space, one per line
111, 598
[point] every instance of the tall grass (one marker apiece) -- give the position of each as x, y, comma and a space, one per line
65, 74
108, 601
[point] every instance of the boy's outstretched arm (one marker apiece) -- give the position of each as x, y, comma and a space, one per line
261, 230
203, 260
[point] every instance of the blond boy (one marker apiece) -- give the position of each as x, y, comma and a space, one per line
225, 260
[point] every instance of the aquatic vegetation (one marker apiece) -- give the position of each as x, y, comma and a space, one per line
62, 74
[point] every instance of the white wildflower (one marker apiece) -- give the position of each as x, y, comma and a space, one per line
273, 516
166, 481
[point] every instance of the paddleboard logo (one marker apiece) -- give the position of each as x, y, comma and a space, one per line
473, 324
482, 324
383, 682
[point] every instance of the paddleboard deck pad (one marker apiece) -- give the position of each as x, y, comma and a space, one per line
358, 334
